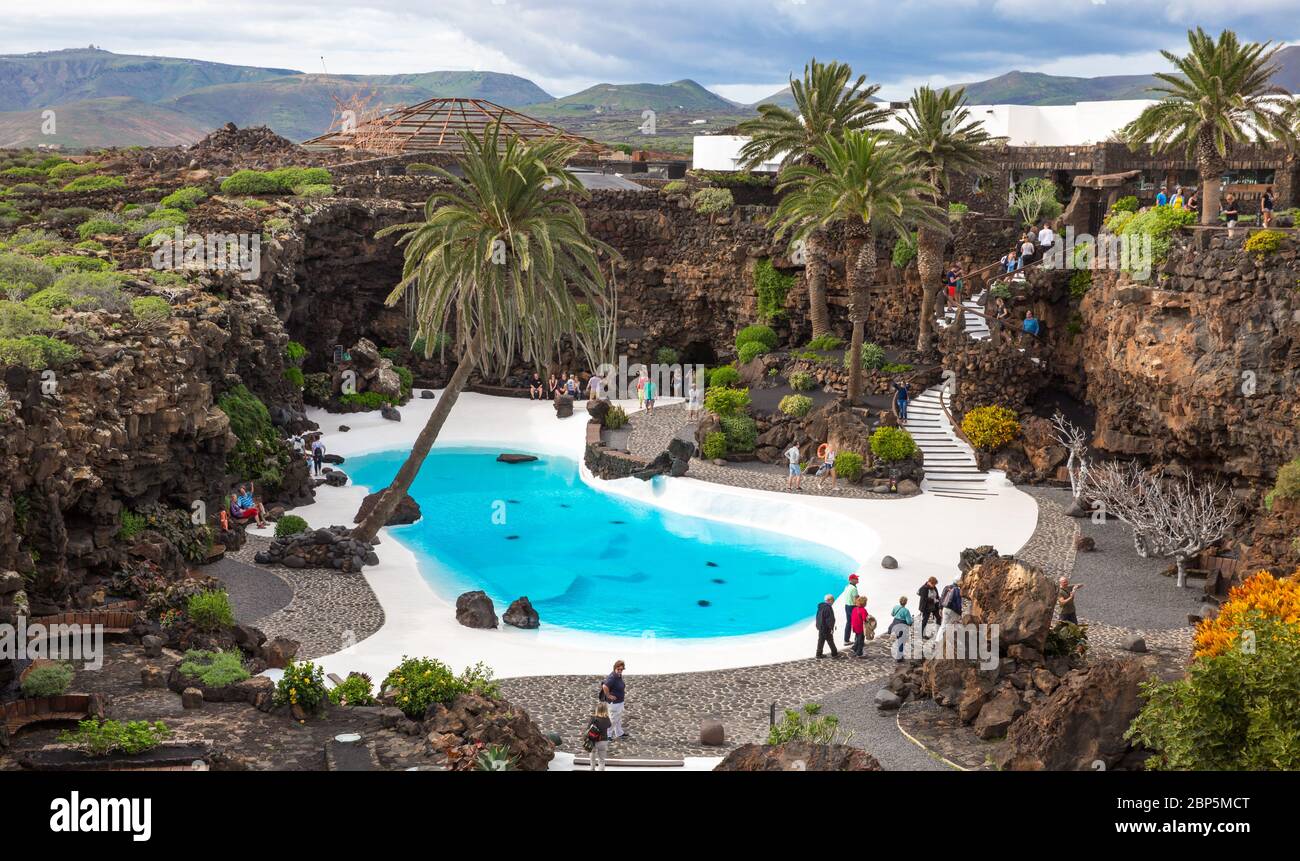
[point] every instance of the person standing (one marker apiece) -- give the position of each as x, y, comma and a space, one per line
649, 392
641, 380
1026, 251
1230, 212
901, 627
826, 452
598, 736
859, 625
612, 692
1030, 326
317, 455
900, 400
950, 602
929, 603
1065, 601
1266, 206
826, 627
795, 479
850, 601
596, 387
1046, 238
1162, 198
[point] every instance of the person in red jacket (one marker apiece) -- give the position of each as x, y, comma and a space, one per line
859, 625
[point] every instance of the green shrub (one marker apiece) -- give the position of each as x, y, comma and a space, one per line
677, 186
1287, 485
895, 368
807, 725
295, 376
150, 310
714, 446
1265, 242
802, 381
727, 375
295, 352
825, 343
100, 738
290, 524
1080, 283
1067, 640
615, 417
23, 173
725, 401
367, 401
251, 182
90, 245
417, 167
291, 178
848, 465
1236, 711
93, 291
36, 352
317, 389
991, 427
69, 170
749, 351
421, 682
48, 680
185, 198
771, 286
95, 183
259, 455
667, 356
18, 319
1127, 203
214, 669
313, 189
17, 269
741, 432
904, 251
890, 445
873, 357
1160, 222
78, 263
355, 691
757, 334
302, 685
406, 378
707, 201
49, 299
210, 610
796, 405
131, 525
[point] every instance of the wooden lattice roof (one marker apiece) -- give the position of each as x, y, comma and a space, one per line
435, 126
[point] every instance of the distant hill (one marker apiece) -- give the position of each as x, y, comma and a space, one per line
680, 96
784, 98
165, 101
53, 77
92, 123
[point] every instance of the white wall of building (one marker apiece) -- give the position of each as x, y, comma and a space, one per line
1080, 124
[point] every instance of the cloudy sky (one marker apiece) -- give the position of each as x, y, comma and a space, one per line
744, 49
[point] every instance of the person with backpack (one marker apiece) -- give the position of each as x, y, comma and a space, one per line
596, 740
900, 627
612, 691
929, 603
951, 603
317, 456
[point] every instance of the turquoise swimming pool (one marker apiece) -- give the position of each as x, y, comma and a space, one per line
596, 562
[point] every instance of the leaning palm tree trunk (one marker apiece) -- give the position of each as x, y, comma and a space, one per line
392, 495
815, 274
929, 262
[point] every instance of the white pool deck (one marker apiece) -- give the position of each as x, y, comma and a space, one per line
924, 533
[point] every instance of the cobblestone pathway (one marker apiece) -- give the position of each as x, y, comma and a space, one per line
328, 608
652, 432
664, 712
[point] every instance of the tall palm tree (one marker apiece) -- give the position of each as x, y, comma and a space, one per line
828, 101
863, 182
939, 139
1220, 96
505, 254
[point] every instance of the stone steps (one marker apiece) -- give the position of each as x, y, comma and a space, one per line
951, 470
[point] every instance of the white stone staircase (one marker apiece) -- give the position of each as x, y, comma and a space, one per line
950, 466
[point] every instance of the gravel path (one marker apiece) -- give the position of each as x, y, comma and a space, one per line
254, 591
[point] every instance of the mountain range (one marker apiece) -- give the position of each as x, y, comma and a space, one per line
104, 99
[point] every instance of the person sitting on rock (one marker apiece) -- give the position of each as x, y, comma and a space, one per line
553, 387
242, 506
1030, 326
536, 390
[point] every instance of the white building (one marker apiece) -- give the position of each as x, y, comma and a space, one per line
1080, 124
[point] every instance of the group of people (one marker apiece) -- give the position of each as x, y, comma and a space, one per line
310, 447
647, 389
606, 723
943, 607
1031, 247
822, 467
563, 384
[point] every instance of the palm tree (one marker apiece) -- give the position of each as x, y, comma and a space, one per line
940, 140
505, 254
827, 102
1220, 96
863, 182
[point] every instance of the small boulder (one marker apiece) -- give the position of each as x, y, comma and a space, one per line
798, 756
521, 614
1133, 643
475, 610
889, 562
426, 395
153, 646
344, 428
997, 714
407, 511
887, 700
712, 733
1085, 543
278, 652
563, 407
152, 677
505, 457
191, 698
390, 413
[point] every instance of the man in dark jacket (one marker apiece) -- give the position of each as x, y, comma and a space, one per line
826, 626
929, 604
